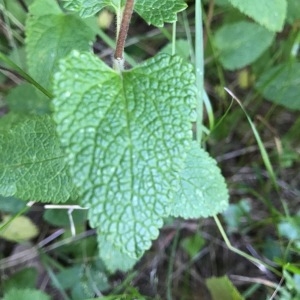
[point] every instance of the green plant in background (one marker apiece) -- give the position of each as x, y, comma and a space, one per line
118, 140
241, 43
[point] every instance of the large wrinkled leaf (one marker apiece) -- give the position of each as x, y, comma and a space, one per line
50, 37
281, 85
202, 190
31, 162
241, 43
126, 136
113, 257
269, 13
154, 12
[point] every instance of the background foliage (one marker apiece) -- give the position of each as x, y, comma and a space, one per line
251, 49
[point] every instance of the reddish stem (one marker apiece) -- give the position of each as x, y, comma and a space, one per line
124, 29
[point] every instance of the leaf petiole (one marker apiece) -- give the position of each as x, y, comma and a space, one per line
122, 34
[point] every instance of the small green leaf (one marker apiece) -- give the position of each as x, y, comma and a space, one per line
25, 294
25, 98
126, 136
271, 248
290, 228
51, 37
89, 8
11, 205
25, 278
31, 162
296, 278
222, 288
82, 280
234, 215
241, 43
19, 229
202, 191
193, 244
155, 12
269, 13
293, 11
68, 277
60, 217
280, 85
181, 47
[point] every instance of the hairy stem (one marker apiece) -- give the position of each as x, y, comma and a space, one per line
122, 34
119, 15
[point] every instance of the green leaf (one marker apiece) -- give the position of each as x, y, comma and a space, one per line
60, 217
222, 2
202, 190
11, 205
44, 7
293, 11
296, 278
14, 9
241, 43
125, 136
21, 72
235, 214
89, 8
82, 280
271, 248
181, 47
280, 85
155, 12
31, 162
291, 287
289, 228
25, 294
51, 37
26, 99
114, 259
18, 56
270, 14
222, 288
193, 244
20, 229
69, 277
25, 278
